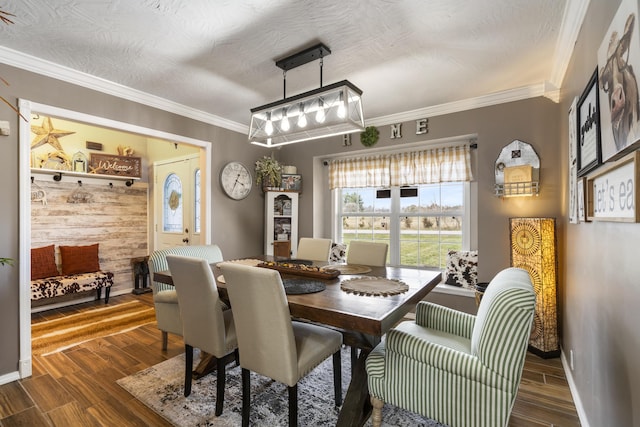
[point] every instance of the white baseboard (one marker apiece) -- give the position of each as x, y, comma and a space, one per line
9, 378
582, 415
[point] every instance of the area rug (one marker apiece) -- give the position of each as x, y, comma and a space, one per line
55, 335
161, 388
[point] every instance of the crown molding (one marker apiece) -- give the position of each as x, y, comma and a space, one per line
545, 89
574, 14
56, 71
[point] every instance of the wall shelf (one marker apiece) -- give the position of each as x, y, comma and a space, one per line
517, 171
57, 175
511, 189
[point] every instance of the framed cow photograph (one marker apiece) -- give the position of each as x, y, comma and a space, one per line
618, 65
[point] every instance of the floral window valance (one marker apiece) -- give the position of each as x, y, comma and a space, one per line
446, 164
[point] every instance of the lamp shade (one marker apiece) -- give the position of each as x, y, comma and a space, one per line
533, 248
327, 111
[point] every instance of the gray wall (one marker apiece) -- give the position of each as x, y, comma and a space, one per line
601, 273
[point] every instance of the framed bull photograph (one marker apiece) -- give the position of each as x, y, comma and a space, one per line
618, 63
589, 153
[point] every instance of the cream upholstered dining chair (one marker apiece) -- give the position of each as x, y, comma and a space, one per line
204, 324
165, 298
367, 253
453, 367
314, 249
269, 342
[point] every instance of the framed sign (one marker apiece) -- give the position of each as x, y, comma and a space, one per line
108, 164
573, 163
291, 182
619, 62
581, 200
588, 118
612, 193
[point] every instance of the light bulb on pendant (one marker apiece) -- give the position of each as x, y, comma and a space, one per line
320, 116
268, 127
284, 124
302, 118
342, 112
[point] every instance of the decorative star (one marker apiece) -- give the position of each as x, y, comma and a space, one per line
46, 134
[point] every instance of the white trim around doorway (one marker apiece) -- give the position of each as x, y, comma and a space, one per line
26, 107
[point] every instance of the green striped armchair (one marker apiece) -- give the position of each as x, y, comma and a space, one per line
165, 297
453, 367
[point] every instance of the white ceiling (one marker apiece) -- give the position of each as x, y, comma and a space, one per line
215, 59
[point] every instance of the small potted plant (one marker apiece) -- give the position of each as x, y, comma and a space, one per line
268, 172
6, 261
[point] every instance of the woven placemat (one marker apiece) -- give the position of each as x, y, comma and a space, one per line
374, 286
349, 268
248, 261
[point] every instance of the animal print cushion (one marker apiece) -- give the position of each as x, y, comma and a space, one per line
61, 285
462, 269
338, 252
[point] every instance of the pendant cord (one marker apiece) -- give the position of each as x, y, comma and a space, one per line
284, 84
321, 64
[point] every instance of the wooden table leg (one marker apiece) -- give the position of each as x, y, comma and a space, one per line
356, 408
206, 365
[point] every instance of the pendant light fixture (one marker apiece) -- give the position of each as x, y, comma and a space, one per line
330, 110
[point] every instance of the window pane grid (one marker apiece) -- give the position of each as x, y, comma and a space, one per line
427, 225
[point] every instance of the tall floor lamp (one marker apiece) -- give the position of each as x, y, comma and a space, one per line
533, 248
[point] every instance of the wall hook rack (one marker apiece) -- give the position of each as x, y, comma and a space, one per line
57, 175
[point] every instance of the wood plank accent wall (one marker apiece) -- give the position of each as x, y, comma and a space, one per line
116, 218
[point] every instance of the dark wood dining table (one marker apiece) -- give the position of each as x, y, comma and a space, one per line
363, 320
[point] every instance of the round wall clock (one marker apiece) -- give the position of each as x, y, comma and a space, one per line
236, 180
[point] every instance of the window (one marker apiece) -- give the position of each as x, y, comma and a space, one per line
172, 204
418, 202
420, 223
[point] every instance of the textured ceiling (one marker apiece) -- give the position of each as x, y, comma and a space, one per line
218, 56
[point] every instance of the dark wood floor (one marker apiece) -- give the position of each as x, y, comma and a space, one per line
77, 387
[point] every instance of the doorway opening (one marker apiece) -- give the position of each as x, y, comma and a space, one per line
162, 147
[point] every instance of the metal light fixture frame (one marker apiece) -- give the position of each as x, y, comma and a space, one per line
330, 110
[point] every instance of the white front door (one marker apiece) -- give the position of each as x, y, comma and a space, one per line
177, 201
